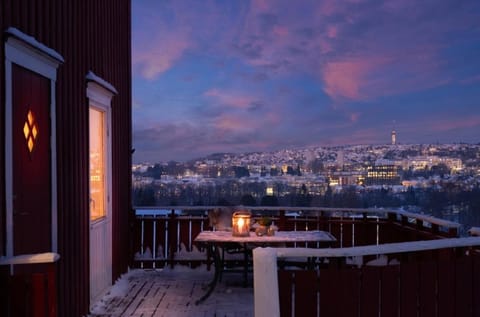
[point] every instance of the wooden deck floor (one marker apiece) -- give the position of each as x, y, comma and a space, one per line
172, 293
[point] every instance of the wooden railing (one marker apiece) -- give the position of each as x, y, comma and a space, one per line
423, 278
161, 239
28, 285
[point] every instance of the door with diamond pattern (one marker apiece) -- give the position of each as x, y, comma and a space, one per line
31, 162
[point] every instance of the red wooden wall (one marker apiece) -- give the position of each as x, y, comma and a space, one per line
90, 35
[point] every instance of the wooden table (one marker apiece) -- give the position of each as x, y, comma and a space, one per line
215, 240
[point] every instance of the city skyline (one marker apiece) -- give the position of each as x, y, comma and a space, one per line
246, 76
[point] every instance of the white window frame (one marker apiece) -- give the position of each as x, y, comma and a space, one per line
100, 99
25, 51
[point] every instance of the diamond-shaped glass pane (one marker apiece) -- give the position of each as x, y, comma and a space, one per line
30, 130
34, 131
30, 144
30, 117
26, 130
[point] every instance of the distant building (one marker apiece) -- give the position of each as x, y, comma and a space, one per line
424, 162
346, 178
382, 175
394, 137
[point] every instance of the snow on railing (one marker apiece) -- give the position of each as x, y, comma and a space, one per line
266, 292
37, 258
165, 234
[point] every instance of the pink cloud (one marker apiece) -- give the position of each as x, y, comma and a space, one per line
332, 31
158, 43
260, 5
470, 80
362, 136
354, 60
167, 30
343, 79
458, 123
354, 116
156, 55
230, 99
280, 30
328, 7
231, 122
381, 71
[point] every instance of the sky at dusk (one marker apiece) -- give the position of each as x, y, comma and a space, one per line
263, 75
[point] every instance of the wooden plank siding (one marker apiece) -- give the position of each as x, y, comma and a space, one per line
90, 35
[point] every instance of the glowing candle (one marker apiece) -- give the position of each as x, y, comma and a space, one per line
241, 224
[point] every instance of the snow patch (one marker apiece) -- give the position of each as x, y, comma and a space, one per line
30, 40
474, 231
102, 82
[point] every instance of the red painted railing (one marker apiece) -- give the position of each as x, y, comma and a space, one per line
167, 238
428, 278
415, 282
29, 285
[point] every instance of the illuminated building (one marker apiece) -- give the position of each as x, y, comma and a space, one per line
382, 175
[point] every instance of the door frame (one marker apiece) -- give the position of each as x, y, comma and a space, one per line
25, 51
99, 94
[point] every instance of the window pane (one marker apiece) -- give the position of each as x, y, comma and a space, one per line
97, 164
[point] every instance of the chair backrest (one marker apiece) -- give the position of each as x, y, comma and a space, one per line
221, 218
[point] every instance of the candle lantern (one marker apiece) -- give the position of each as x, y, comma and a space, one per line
241, 224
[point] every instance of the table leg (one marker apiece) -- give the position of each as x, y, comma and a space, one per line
245, 265
218, 263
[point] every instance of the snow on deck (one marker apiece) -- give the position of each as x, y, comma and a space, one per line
173, 292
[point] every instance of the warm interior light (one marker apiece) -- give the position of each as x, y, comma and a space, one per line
30, 144
98, 193
26, 130
30, 117
241, 224
30, 131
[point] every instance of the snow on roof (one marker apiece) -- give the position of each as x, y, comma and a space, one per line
34, 43
92, 77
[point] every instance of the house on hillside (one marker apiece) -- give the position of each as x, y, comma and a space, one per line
65, 158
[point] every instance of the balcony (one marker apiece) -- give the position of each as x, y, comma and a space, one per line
384, 262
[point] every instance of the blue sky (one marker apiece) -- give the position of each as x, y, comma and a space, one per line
260, 75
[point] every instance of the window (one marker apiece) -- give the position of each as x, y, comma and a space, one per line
98, 191
99, 94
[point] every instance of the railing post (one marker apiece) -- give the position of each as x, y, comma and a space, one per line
434, 228
171, 237
392, 217
419, 223
452, 232
281, 220
265, 282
